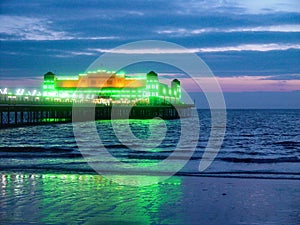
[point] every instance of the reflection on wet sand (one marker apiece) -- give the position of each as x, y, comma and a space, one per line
92, 199
88, 199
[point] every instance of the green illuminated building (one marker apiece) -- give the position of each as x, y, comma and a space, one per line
108, 87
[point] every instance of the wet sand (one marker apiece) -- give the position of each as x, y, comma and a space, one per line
91, 199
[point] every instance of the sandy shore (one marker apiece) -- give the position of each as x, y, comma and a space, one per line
90, 199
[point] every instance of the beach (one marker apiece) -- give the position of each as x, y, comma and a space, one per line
150, 112
28, 198
254, 179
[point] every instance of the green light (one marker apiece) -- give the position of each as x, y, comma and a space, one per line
49, 82
152, 87
135, 77
120, 73
53, 189
67, 78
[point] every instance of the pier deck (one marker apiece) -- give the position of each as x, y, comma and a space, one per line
22, 114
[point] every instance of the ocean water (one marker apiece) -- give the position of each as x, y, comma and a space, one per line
257, 143
254, 179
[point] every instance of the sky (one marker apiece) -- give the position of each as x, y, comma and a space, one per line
251, 46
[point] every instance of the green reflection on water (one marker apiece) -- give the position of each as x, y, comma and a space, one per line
87, 199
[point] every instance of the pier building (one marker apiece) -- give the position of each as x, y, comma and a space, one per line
108, 87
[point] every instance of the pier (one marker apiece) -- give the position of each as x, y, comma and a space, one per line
15, 113
95, 95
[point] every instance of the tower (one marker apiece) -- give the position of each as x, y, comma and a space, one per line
49, 82
176, 90
152, 86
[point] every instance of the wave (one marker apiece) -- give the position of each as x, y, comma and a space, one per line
293, 159
52, 155
116, 146
123, 154
288, 143
46, 169
38, 152
35, 149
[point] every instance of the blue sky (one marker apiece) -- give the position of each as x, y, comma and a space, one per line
237, 39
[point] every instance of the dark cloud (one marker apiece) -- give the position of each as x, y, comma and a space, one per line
38, 36
284, 77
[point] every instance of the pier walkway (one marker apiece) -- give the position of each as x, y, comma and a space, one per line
22, 113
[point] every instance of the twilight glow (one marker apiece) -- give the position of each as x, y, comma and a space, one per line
250, 46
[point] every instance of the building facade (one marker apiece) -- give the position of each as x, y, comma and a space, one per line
106, 87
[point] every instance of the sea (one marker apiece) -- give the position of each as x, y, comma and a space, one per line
46, 178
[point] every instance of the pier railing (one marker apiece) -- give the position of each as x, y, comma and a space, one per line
22, 112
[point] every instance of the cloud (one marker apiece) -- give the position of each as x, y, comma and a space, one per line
67, 54
232, 37
242, 84
204, 6
270, 6
274, 28
27, 28
237, 7
257, 83
283, 77
242, 47
252, 47
228, 84
25, 81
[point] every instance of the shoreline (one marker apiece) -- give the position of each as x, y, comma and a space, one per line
90, 172
90, 199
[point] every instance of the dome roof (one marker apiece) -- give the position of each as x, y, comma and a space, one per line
49, 73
